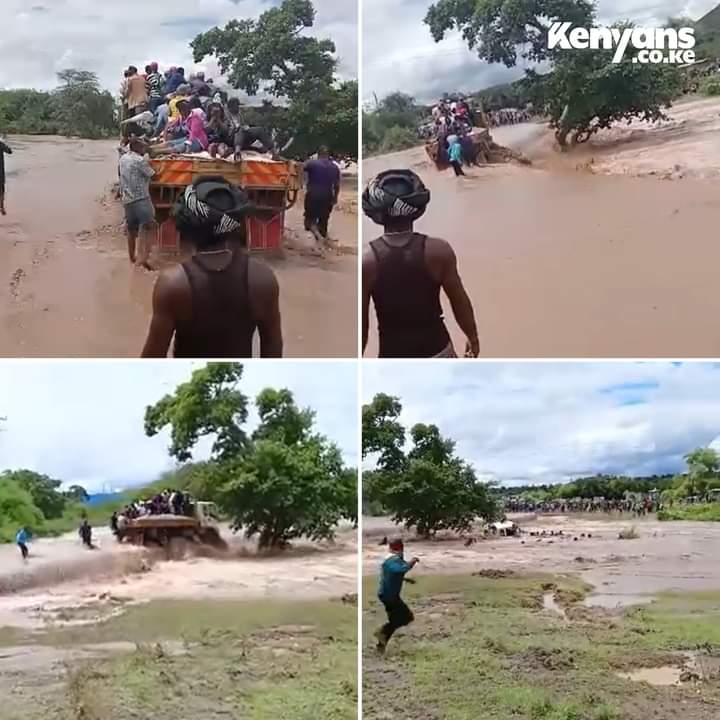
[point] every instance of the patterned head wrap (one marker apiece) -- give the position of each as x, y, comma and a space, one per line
395, 194
210, 208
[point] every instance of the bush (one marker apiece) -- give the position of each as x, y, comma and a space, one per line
706, 512
17, 510
398, 138
710, 86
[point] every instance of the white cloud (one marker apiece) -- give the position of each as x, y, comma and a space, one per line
82, 422
400, 54
40, 38
545, 422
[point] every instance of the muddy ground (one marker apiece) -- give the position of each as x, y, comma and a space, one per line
591, 253
70, 291
546, 626
120, 631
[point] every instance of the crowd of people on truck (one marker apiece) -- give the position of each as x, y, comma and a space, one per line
167, 502
182, 115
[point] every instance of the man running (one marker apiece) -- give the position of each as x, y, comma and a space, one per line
215, 302
392, 575
3, 149
21, 539
322, 187
135, 174
404, 271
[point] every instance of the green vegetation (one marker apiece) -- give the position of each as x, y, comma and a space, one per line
202, 659
273, 53
584, 91
710, 86
429, 487
708, 512
78, 107
484, 647
392, 125
283, 482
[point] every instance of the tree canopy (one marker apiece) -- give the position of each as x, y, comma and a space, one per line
284, 481
584, 91
428, 487
77, 107
274, 54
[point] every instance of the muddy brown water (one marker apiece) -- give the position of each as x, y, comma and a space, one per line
562, 263
69, 290
666, 556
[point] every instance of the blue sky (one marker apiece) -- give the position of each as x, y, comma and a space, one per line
400, 54
546, 422
40, 38
82, 421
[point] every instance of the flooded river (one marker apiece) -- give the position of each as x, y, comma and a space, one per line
68, 287
63, 582
666, 556
562, 263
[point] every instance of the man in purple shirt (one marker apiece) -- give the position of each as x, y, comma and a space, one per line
322, 187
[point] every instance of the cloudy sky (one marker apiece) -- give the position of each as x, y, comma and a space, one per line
82, 422
40, 37
400, 54
546, 422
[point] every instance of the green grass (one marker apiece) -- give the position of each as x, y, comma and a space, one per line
208, 660
483, 647
705, 512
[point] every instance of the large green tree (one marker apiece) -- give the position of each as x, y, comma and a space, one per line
285, 481
209, 404
429, 487
17, 509
584, 91
81, 106
274, 54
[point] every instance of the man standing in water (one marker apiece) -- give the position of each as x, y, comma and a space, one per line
21, 539
392, 576
135, 175
322, 187
3, 149
404, 271
215, 302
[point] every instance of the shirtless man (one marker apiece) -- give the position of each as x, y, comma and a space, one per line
215, 302
404, 271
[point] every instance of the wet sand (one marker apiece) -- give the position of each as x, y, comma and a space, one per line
70, 291
64, 578
561, 263
667, 556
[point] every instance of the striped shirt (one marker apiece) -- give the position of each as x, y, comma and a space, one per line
135, 174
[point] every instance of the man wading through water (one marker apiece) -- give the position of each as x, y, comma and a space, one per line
392, 576
3, 149
214, 302
322, 183
404, 271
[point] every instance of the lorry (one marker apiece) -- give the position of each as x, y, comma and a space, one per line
173, 531
272, 185
478, 149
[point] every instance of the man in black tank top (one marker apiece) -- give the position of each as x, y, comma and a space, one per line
403, 273
213, 303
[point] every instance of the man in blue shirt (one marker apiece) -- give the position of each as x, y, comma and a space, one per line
392, 576
22, 540
455, 155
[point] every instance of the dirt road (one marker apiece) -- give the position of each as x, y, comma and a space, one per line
666, 556
568, 263
70, 292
